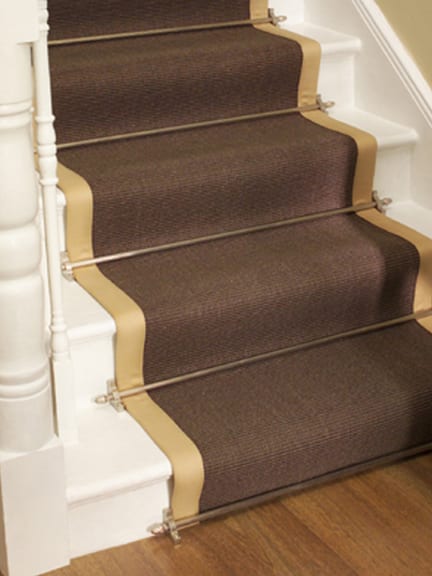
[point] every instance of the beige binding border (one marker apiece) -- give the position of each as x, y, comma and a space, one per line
185, 458
365, 168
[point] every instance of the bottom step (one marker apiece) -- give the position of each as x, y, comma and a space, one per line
114, 471
293, 421
289, 420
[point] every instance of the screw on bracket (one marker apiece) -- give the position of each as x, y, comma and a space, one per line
275, 20
324, 106
112, 397
381, 203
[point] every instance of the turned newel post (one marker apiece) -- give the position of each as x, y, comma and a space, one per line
26, 421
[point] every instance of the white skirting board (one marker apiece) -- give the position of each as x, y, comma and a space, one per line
397, 54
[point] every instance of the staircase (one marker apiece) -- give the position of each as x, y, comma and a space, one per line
287, 323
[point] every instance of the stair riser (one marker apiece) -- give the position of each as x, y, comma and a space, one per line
93, 363
336, 79
393, 173
116, 519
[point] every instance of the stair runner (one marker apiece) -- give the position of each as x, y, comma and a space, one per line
283, 405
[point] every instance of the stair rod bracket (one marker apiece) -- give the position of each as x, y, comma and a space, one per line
168, 527
112, 397
381, 203
324, 105
274, 19
66, 267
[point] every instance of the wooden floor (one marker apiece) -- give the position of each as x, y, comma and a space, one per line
375, 524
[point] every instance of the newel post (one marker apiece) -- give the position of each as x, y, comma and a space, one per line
25, 398
33, 520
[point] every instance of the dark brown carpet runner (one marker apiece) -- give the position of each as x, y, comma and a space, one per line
273, 422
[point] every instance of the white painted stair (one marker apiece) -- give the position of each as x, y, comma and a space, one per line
115, 469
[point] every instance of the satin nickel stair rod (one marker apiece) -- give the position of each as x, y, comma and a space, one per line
320, 105
115, 396
171, 527
271, 19
68, 267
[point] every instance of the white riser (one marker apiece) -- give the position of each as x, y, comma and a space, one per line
116, 520
336, 80
93, 367
91, 333
396, 146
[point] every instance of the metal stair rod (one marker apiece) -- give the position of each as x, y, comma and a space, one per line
114, 396
320, 105
271, 19
68, 266
171, 527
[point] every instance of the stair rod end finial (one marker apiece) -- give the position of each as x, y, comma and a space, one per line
158, 529
102, 400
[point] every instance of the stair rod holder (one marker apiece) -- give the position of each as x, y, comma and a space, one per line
115, 396
271, 19
68, 267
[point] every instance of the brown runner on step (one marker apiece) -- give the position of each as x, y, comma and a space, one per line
287, 420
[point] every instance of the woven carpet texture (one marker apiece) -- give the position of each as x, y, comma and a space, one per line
285, 420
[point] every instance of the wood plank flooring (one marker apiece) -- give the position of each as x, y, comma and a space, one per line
374, 524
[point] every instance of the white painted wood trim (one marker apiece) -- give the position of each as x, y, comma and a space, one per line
47, 154
398, 55
25, 391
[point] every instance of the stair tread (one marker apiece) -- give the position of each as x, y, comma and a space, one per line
242, 296
287, 420
103, 91
331, 42
166, 188
389, 134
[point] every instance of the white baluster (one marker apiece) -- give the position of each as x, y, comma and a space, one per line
47, 152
